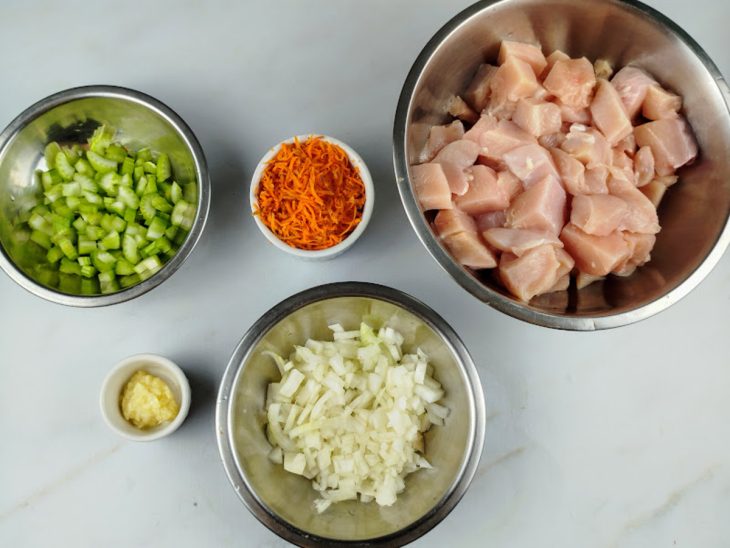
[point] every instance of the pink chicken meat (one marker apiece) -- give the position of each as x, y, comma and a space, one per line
541, 207
551, 172
484, 194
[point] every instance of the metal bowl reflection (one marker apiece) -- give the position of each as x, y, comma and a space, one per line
693, 215
284, 502
71, 116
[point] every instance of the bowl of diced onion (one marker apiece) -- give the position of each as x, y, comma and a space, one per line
350, 413
104, 192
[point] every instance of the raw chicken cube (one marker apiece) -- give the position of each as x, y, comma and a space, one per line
571, 115
553, 140
439, 137
595, 180
531, 163
462, 153
493, 219
514, 80
660, 104
566, 261
519, 241
491, 163
640, 246
486, 122
671, 142
484, 194
455, 158
596, 255
509, 182
620, 180
627, 145
571, 171
551, 59
608, 113
532, 55
644, 166
572, 81
505, 137
458, 108
431, 187
453, 221
624, 163
542, 95
534, 273
587, 145
501, 108
562, 284
477, 94
632, 83
540, 207
457, 177
537, 117
469, 250
599, 214
642, 215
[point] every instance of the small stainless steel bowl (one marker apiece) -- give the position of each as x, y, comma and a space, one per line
694, 214
71, 116
284, 502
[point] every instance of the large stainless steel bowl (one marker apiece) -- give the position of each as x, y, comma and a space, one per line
71, 117
284, 502
694, 213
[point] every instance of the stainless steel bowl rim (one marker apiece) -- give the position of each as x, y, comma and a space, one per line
467, 280
203, 182
224, 411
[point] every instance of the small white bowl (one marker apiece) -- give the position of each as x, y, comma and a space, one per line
345, 244
114, 382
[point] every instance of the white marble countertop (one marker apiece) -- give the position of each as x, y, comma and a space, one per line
617, 438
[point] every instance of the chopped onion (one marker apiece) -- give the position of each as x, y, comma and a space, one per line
350, 414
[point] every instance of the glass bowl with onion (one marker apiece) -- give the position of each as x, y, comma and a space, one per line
286, 495
315, 202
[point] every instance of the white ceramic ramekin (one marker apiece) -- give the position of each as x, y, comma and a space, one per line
114, 382
345, 244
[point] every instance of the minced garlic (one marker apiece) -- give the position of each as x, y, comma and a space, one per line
147, 401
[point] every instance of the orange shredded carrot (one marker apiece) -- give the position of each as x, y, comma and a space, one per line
310, 195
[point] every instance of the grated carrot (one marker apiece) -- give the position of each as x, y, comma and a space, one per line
310, 195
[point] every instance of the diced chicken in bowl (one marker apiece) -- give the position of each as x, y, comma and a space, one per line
553, 169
